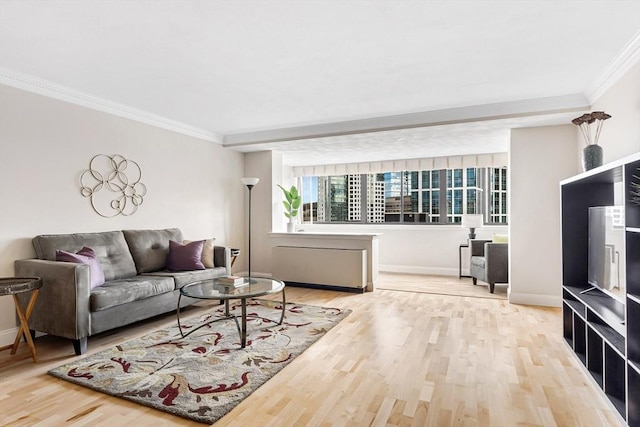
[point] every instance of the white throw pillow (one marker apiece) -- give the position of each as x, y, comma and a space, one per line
207, 252
500, 238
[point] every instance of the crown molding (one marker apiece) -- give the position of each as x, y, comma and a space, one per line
628, 56
33, 84
486, 112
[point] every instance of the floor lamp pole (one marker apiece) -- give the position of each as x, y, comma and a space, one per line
250, 183
250, 188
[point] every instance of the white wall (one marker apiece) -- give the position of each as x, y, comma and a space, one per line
277, 177
260, 165
44, 146
539, 158
621, 133
426, 249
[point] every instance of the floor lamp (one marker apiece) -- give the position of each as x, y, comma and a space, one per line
250, 183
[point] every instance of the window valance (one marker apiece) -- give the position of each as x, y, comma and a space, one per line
430, 163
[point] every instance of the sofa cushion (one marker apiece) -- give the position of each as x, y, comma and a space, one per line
122, 291
477, 261
85, 256
207, 252
110, 247
185, 257
150, 248
182, 278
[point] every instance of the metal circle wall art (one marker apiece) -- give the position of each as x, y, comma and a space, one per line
113, 184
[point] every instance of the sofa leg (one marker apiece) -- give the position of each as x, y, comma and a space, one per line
80, 346
31, 332
492, 286
475, 280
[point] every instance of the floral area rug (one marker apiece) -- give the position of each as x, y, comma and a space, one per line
205, 375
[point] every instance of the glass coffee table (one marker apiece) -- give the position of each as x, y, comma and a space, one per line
214, 289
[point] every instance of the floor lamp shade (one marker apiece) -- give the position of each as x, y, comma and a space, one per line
472, 222
249, 182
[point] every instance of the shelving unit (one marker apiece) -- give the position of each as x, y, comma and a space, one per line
604, 332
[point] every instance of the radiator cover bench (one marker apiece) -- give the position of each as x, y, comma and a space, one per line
331, 267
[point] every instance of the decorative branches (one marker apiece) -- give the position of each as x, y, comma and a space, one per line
584, 123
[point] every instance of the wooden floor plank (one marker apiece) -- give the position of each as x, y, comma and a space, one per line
402, 358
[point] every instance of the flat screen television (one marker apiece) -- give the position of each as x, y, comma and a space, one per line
606, 263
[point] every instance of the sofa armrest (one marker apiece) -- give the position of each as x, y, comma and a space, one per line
477, 246
497, 251
497, 262
62, 306
222, 257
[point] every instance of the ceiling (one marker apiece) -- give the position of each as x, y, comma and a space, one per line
323, 81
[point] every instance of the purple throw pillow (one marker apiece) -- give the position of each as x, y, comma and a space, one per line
185, 257
85, 256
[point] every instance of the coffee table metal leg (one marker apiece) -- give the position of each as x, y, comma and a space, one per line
226, 317
284, 303
243, 334
178, 316
242, 327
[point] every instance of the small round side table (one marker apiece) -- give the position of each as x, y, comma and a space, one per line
14, 286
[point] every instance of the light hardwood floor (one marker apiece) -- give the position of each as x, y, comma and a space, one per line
445, 285
400, 359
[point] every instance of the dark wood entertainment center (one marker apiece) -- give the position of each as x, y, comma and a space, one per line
603, 332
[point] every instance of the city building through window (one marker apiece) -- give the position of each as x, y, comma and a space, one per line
415, 197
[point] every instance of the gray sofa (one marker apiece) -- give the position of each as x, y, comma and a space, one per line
136, 284
489, 262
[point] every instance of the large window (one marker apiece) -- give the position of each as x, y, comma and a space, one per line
429, 196
464, 193
498, 204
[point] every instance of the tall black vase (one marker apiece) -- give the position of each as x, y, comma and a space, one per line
591, 157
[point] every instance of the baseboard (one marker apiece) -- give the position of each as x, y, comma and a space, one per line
7, 336
254, 274
419, 270
326, 287
534, 299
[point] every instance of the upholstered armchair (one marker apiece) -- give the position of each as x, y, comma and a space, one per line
489, 262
